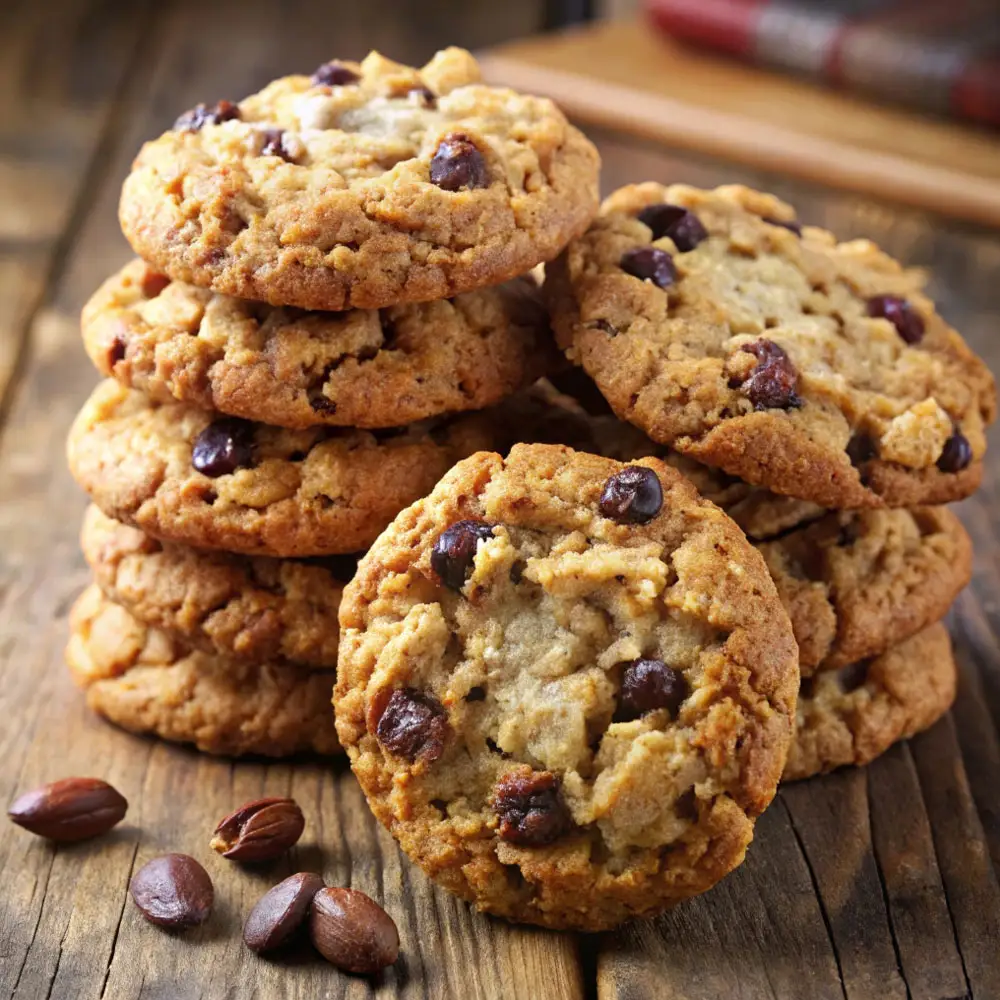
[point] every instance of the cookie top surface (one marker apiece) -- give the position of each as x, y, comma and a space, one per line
852, 716
187, 475
818, 369
142, 680
361, 368
365, 185
566, 686
248, 608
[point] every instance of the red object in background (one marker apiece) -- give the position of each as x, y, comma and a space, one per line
934, 55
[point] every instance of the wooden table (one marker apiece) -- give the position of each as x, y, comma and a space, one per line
878, 883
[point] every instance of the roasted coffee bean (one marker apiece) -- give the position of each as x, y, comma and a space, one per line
773, 383
650, 264
956, 453
280, 912
681, 225
173, 891
334, 74
352, 931
648, 685
413, 725
70, 809
790, 224
459, 164
530, 808
454, 552
632, 496
260, 830
207, 114
904, 317
224, 446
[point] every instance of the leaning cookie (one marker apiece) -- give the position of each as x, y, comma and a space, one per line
187, 475
566, 686
853, 715
363, 368
142, 680
247, 608
364, 185
718, 325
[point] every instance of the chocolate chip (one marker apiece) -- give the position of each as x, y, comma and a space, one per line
454, 551
334, 74
791, 225
352, 931
69, 810
413, 725
904, 317
530, 808
648, 685
275, 145
173, 891
956, 454
632, 496
424, 95
772, 383
861, 448
458, 164
280, 912
852, 677
207, 114
223, 447
260, 830
649, 264
682, 226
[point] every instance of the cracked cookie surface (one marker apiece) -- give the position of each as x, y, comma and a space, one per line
853, 715
186, 475
566, 686
365, 185
363, 368
144, 681
248, 608
718, 325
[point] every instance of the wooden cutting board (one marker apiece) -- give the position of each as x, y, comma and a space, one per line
626, 76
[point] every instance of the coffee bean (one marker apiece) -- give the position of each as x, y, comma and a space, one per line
224, 446
334, 74
352, 931
648, 685
69, 810
454, 552
274, 144
458, 164
530, 808
173, 891
682, 226
260, 830
207, 114
280, 912
650, 264
632, 496
904, 317
790, 225
413, 725
956, 454
773, 382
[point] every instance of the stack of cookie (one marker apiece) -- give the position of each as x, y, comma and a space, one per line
331, 289
809, 388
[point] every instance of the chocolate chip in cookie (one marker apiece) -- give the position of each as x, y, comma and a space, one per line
956, 454
682, 226
459, 164
904, 317
204, 114
529, 807
632, 496
223, 447
790, 224
334, 74
454, 552
275, 144
413, 725
649, 685
650, 264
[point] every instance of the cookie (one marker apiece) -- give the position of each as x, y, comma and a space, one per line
247, 608
718, 325
187, 475
364, 185
566, 686
854, 583
854, 715
144, 681
363, 368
